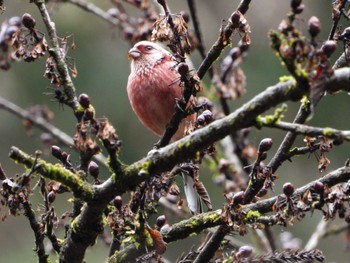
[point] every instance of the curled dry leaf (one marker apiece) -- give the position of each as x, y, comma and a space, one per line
158, 241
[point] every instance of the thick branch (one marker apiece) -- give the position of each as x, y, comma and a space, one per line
165, 158
198, 223
56, 172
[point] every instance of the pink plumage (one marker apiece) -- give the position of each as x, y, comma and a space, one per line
154, 86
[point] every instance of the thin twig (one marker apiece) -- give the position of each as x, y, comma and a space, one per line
94, 9
311, 131
197, 30
198, 223
336, 17
38, 232
44, 125
58, 54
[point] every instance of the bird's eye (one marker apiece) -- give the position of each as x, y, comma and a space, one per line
149, 48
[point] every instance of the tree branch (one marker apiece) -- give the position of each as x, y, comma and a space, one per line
309, 130
198, 223
77, 186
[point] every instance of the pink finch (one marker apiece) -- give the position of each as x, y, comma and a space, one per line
153, 88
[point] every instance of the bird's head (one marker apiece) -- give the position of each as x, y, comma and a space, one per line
146, 55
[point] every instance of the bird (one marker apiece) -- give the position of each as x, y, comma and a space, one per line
154, 86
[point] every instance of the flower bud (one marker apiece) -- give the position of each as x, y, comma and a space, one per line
201, 120
262, 192
329, 47
265, 145
314, 26
93, 169
118, 202
182, 69
185, 16
84, 101
51, 196
288, 189
28, 21
56, 151
318, 187
299, 9
295, 3
238, 198
208, 115
161, 221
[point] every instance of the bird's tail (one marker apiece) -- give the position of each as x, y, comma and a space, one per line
193, 199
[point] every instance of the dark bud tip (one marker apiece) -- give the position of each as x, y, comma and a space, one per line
183, 69
56, 151
299, 9
208, 115
265, 145
329, 47
200, 120
51, 196
262, 192
185, 15
314, 26
238, 198
161, 221
235, 17
118, 202
28, 21
295, 3
93, 169
84, 101
288, 189
319, 187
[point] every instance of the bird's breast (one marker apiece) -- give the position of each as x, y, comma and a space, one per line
153, 94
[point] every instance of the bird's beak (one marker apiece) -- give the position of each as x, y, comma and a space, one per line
134, 53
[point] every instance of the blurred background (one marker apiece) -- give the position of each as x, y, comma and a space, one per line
103, 68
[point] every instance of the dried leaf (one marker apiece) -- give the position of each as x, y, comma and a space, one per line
158, 241
161, 30
74, 71
323, 163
